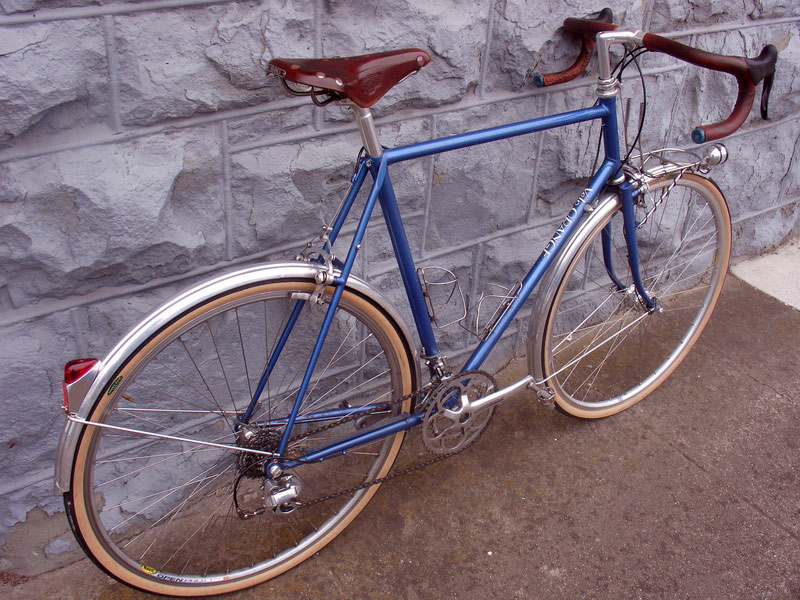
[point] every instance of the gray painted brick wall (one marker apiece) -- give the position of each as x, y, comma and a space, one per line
142, 148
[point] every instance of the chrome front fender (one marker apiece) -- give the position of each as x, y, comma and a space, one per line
603, 208
174, 308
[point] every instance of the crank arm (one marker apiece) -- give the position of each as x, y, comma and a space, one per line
493, 398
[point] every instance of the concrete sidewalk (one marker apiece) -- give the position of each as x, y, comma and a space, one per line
776, 273
693, 493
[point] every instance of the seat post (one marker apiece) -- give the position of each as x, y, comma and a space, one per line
369, 135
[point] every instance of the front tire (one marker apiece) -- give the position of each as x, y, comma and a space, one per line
601, 350
158, 514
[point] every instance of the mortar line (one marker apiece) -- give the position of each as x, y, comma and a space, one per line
363, 254
510, 331
467, 245
17, 316
88, 12
487, 48
648, 15
5, 296
112, 64
87, 140
430, 170
77, 332
519, 343
675, 104
89, 136
227, 191
478, 255
730, 26
535, 185
68, 14
319, 115
550, 222
49, 148
762, 211
463, 105
784, 184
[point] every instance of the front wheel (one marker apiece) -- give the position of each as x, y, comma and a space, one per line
160, 513
601, 350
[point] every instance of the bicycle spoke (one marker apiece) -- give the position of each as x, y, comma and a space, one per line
169, 503
603, 354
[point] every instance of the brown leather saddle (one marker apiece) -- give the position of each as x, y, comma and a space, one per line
363, 79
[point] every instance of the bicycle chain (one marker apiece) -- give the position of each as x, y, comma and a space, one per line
414, 395
366, 484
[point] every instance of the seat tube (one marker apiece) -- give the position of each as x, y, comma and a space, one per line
339, 283
397, 234
408, 272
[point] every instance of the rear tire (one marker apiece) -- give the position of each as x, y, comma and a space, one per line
158, 514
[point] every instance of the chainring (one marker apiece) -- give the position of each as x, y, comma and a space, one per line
449, 425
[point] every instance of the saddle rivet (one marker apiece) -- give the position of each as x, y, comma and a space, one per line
294, 67
339, 82
321, 75
420, 59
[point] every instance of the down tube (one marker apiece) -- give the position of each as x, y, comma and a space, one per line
556, 243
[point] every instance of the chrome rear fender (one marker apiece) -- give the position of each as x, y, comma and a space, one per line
174, 308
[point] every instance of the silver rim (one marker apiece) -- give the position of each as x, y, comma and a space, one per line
164, 509
602, 351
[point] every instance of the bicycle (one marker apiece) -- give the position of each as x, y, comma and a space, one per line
269, 404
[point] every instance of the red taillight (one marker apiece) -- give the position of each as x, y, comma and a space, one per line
75, 369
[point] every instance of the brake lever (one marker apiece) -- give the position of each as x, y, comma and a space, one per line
765, 90
761, 68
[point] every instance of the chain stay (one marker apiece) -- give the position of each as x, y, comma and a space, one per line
380, 407
357, 415
363, 413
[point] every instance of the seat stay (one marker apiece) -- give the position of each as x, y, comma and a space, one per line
339, 284
356, 182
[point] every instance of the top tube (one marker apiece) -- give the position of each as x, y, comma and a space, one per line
463, 140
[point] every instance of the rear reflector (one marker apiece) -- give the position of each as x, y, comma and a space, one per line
75, 369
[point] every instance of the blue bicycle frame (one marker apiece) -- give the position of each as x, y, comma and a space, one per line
382, 191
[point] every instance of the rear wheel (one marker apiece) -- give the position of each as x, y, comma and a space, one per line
601, 350
159, 513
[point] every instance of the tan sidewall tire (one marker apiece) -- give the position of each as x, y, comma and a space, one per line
704, 186
133, 578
